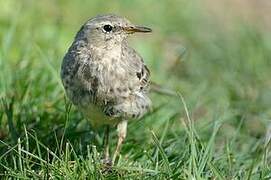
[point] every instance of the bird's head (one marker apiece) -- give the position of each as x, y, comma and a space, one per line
108, 30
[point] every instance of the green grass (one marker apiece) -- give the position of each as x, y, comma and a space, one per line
214, 129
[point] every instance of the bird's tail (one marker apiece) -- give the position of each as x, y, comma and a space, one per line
160, 89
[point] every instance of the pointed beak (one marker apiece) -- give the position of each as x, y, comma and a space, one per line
133, 29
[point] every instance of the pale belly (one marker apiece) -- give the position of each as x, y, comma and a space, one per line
97, 118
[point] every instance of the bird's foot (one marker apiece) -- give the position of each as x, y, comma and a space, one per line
107, 162
107, 166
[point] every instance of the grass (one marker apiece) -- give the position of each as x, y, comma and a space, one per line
214, 129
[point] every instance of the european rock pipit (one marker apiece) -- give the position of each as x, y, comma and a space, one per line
104, 77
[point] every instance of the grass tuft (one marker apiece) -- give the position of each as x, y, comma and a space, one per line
217, 128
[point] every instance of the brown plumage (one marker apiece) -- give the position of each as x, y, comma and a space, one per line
105, 78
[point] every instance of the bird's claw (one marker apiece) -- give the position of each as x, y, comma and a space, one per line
107, 162
107, 166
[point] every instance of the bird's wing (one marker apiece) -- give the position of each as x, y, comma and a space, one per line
132, 102
139, 70
77, 76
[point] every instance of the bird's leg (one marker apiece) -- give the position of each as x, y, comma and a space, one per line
122, 131
106, 159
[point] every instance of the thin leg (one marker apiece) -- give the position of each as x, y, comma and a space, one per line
106, 145
122, 131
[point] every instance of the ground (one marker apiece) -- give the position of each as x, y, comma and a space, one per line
216, 56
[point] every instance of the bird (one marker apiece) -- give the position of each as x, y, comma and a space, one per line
105, 78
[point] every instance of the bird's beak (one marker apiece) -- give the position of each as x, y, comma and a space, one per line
133, 29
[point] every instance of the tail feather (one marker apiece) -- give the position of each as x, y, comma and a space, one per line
162, 90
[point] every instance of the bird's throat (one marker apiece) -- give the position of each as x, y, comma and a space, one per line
108, 54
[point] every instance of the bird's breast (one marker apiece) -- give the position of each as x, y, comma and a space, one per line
110, 67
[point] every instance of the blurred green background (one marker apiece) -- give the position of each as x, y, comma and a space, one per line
215, 53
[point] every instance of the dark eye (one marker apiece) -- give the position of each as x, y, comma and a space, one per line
107, 28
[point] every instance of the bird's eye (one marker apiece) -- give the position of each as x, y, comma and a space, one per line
107, 28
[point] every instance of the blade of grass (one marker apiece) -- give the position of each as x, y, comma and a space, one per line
163, 154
